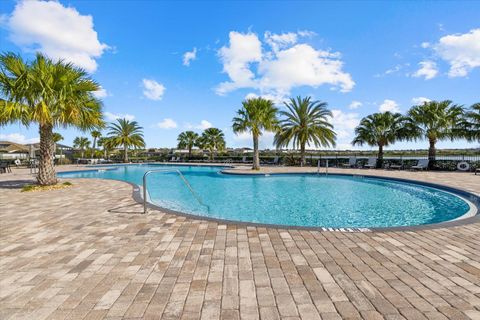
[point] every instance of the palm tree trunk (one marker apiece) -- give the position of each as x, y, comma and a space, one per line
431, 153
94, 146
302, 155
125, 155
83, 153
380, 156
46, 172
189, 152
105, 153
256, 154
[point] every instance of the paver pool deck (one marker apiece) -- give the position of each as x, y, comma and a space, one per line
87, 252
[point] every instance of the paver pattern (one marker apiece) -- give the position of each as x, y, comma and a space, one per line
87, 252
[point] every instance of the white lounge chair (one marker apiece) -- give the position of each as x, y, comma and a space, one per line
395, 166
422, 164
244, 160
372, 163
352, 163
274, 162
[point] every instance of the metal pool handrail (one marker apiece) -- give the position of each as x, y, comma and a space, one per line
326, 167
166, 171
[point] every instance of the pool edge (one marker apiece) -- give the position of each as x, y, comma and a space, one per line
459, 221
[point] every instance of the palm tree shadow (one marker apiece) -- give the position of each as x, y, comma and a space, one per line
126, 209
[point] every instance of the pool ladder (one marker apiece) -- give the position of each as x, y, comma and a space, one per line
326, 167
189, 187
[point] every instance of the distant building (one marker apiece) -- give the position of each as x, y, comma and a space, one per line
12, 150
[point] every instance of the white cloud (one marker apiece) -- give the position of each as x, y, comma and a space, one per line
302, 65
276, 98
280, 41
344, 124
289, 64
420, 100
204, 124
189, 56
355, 105
167, 123
236, 58
101, 93
461, 51
389, 105
57, 31
152, 89
245, 140
428, 70
114, 116
18, 138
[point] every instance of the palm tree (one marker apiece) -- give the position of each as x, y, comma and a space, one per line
188, 140
305, 122
127, 134
473, 123
49, 94
256, 116
57, 137
81, 143
95, 135
434, 121
213, 140
107, 145
381, 130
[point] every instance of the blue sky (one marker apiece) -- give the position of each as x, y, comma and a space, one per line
360, 57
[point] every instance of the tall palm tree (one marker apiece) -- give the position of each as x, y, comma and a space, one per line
127, 134
57, 137
255, 116
434, 121
473, 123
95, 135
49, 94
188, 140
305, 122
81, 143
381, 130
213, 140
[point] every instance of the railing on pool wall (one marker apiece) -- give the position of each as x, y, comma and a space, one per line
195, 195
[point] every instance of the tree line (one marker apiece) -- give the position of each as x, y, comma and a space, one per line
54, 94
306, 123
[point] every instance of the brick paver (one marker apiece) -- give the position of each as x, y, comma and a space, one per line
87, 253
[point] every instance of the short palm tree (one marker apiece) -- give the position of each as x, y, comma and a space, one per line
305, 122
57, 137
95, 135
213, 140
127, 134
49, 94
434, 121
187, 140
380, 130
256, 116
82, 144
473, 123
107, 145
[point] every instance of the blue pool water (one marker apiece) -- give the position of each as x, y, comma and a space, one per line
298, 200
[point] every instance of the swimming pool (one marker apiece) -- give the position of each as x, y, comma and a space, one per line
307, 200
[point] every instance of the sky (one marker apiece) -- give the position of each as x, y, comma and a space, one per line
176, 66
